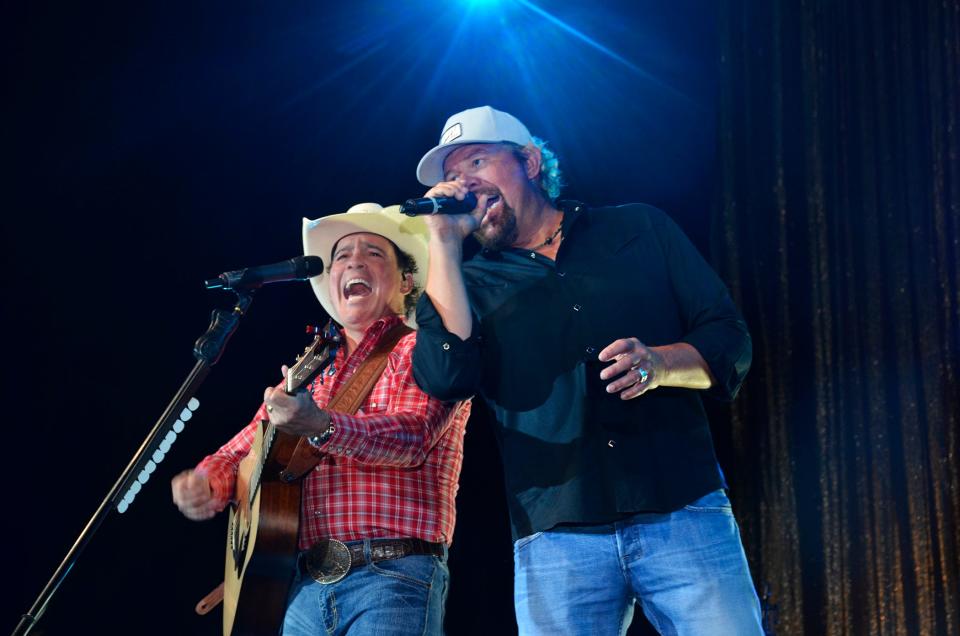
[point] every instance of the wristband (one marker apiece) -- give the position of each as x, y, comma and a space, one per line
321, 439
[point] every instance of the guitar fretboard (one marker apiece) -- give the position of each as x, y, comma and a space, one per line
268, 436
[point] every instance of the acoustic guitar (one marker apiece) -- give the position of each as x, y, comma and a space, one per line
264, 521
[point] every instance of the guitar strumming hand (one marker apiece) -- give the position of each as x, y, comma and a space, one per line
193, 495
295, 414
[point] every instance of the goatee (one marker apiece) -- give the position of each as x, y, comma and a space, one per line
503, 234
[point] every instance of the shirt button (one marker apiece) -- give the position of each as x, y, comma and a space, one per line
446, 346
590, 350
577, 307
612, 443
561, 274
533, 254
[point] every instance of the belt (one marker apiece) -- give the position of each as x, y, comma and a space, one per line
330, 560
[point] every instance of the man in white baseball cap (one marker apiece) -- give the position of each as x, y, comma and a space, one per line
377, 512
591, 332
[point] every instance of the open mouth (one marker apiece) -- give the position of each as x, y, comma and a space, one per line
356, 287
492, 202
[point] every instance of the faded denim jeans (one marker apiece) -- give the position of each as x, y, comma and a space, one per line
686, 569
396, 597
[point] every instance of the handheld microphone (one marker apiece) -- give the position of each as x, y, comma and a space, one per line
297, 268
439, 205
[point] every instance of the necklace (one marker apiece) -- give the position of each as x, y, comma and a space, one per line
550, 239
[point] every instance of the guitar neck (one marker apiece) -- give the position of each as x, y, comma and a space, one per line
314, 360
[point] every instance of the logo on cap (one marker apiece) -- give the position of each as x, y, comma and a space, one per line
451, 133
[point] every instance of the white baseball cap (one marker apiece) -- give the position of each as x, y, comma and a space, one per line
407, 233
483, 125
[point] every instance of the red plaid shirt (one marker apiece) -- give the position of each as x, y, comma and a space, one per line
390, 470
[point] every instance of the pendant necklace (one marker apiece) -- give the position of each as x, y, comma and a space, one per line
551, 238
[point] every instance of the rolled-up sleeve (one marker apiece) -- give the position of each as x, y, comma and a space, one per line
444, 366
712, 324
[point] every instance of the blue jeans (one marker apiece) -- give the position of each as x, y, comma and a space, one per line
397, 597
687, 569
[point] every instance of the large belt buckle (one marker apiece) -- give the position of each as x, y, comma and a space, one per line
328, 561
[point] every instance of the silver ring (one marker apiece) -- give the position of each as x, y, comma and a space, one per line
269, 408
642, 374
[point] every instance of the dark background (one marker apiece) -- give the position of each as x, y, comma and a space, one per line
152, 145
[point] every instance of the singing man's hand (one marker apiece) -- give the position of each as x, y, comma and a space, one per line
636, 367
453, 227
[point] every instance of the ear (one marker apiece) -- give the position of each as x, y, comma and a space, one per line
534, 161
406, 284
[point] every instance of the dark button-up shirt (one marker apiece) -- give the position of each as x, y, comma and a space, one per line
572, 453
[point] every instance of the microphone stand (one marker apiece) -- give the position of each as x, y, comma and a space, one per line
207, 350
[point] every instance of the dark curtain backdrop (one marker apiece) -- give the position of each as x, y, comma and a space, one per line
839, 232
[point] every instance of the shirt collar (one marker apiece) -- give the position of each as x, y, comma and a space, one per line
376, 328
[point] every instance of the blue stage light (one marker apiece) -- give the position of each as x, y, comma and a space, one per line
618, 68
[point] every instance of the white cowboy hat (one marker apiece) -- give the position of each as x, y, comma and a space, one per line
407, 233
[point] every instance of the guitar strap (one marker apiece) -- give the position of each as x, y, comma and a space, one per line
347, 400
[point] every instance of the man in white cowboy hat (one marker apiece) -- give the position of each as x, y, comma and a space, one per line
387, 475
591, 332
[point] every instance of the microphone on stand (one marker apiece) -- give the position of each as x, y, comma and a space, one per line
297, 268
439, 205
